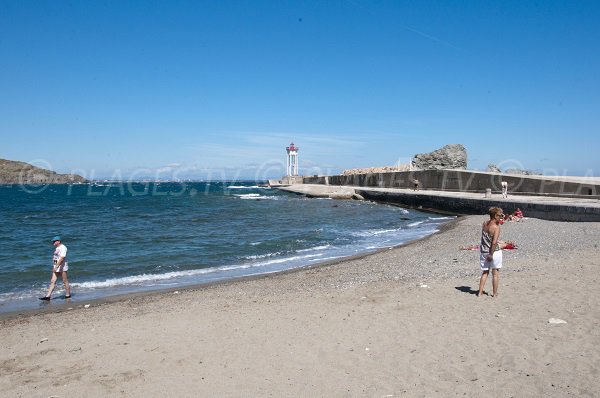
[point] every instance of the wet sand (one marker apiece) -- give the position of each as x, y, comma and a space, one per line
403, 322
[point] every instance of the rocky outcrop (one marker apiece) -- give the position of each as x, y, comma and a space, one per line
522, 172
13, 172
492, 168
384, 169
453, 156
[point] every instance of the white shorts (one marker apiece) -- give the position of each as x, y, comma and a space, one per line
64, 267
496, 262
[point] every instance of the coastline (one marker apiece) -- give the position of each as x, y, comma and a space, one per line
261, 242
403, 321
58, 305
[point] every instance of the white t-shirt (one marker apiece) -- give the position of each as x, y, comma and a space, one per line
60, 251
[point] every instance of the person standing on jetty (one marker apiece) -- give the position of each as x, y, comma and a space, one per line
416, 184
491, 250
504, 189
60, 267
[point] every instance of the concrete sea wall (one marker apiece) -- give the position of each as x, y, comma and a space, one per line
466, 181
466, 192
531, 206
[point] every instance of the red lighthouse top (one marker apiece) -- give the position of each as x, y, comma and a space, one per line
292, 148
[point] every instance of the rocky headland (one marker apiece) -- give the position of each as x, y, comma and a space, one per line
14, 172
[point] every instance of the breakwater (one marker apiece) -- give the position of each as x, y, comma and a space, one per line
564, 209
465, 192
469, 181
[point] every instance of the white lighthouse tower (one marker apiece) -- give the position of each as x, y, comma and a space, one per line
292, 160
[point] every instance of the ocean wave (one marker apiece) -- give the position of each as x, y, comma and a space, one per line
23, 295
373, 232
255, 196
243, 187
288, 259
310, 249
139, 279
145, 279
259, 256
414, 224
325, 258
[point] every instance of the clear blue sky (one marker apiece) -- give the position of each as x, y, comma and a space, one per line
219, 88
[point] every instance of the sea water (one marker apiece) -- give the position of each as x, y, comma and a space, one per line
125, 237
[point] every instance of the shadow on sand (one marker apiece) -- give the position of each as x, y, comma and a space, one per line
466, 289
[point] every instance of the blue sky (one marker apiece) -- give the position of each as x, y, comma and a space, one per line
217, 89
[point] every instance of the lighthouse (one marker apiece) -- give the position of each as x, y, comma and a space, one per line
292, 160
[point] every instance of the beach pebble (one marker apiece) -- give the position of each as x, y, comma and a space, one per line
44, 339
556, 321
86, 306
424, 286
176, 292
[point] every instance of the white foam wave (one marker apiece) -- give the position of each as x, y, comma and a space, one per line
288, 259
414, 224
243, 187
322, 247
254, 196
325, 258
233, 267
145, 279
139, 279
265, 197
373, 232
259, 256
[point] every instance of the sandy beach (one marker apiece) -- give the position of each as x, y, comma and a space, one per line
403, 322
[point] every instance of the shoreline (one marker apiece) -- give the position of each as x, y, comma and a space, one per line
80, 305
400, 322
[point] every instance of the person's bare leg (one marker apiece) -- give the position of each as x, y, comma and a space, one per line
482, 281
66, 283
495, 280
52, 284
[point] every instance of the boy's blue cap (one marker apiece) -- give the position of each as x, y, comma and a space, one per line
56, 238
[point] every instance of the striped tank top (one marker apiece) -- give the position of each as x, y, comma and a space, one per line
486, 242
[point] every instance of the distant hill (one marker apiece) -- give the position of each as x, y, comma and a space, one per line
13, 172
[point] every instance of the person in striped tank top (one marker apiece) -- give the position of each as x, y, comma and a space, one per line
491, 250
